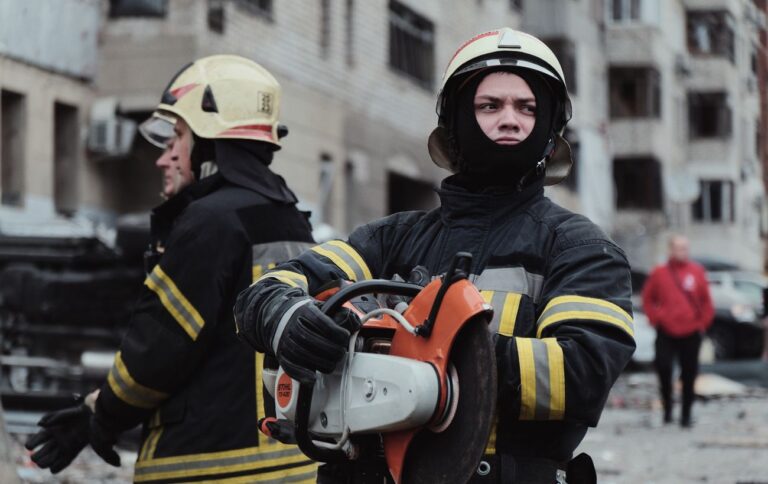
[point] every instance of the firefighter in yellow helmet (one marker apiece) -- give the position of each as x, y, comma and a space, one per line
181, 371
560, 288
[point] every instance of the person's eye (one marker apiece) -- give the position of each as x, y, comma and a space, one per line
529, 108
485, 107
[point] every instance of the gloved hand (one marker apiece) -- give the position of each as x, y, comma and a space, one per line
65, 433
306, 340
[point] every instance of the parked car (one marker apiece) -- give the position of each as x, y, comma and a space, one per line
737, 331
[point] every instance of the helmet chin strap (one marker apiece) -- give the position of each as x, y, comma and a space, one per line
540, 168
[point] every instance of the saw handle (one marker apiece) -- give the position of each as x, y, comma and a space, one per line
373, 286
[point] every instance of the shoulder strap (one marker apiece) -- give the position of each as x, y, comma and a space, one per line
687, 295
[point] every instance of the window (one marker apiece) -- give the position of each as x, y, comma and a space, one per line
516, 5
13, 121
638, 183
349, 33
325, 27
405, 193
411, 44
138, 8
66, 131
325, 188
710, 33
716, 202
634, 92
624, 10
709, 115
565, 52
216, 16
261, 8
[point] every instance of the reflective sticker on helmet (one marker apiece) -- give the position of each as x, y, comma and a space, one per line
179, 92
510, 40
476, 37
265, 103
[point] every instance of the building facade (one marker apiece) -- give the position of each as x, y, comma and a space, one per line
668, 97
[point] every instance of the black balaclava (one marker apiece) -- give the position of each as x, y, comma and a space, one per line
488, 163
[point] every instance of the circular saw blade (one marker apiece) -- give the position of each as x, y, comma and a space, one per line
452, 456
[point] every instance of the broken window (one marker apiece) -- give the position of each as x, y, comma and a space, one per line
405, 193
709, 115
349, 32
624, 10
66, 131
262, 8
138, 8
565, 52
716, 202
411, 44
13, 121
216, 16
325, 27
710, 32
634, 92
638, 183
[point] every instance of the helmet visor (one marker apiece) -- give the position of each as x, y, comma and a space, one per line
507, 62
158, 129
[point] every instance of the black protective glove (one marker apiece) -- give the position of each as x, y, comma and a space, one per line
65, 433
306, 340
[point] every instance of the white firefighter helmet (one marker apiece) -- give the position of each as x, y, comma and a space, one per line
499, 48
226, 97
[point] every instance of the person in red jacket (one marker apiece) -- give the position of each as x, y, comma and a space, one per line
677, 302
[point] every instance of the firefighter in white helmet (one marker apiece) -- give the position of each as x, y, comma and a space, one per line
181, 371
560, 288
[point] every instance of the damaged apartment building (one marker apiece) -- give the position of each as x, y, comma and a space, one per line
669, 106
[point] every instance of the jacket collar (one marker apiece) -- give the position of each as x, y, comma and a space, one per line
163, 215
460, 200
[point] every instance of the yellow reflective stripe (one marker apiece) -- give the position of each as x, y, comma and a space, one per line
490, 449
527, 378
588, 300
175, 302
556, 378
293, 279
152, 440
257, 271
487, 296
220, 469
296, 472
354, 255
129, 390
338, 261
509, 314
556, 318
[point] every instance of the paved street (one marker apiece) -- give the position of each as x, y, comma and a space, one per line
728, 443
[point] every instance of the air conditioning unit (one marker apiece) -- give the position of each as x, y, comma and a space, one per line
111, 137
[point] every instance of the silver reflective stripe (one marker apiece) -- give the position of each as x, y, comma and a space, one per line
541, 363
510, 279
151, 468
284, 321
497, 303
277, 252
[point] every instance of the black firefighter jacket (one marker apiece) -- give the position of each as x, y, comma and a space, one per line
181, 369
559, 287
